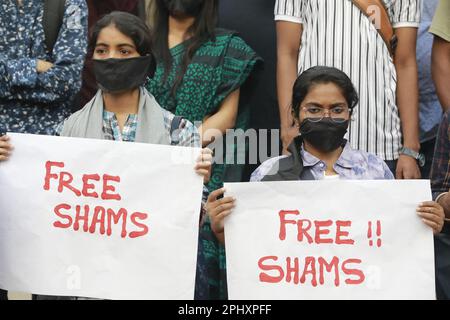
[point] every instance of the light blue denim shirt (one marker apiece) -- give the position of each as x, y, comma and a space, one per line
351, 165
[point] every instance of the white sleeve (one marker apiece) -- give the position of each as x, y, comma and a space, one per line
406, 13
289, 10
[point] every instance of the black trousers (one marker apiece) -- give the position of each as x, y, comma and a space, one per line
442, 255
3, 295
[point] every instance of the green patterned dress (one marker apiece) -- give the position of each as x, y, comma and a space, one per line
217, 69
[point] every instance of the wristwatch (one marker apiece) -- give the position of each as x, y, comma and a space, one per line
416, 155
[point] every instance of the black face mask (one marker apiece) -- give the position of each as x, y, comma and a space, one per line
190, 8
325, 135
117, 75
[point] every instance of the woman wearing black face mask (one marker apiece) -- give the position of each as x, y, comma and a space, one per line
200, 70
323, 101
98, 9
199, 76
123, 110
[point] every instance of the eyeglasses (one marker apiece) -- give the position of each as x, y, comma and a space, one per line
337, 114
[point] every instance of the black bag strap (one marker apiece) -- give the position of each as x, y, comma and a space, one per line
53, 20
290, 168
176, 122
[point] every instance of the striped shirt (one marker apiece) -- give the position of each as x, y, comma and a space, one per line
337, 34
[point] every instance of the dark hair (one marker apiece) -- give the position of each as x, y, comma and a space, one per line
128, 24
202, 30
322, 75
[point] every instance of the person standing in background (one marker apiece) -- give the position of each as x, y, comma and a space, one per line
440, 174
441, 52
38, 84
98, 9
440, 184
200, 72
430, 111
253, 20
441, 72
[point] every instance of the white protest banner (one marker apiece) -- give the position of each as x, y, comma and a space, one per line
329, 240
99, 219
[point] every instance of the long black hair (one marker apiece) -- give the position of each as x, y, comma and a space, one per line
322, 75
202, 30
128, 24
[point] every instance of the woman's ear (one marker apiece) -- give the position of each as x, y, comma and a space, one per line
296, 118
351, 118
296, 121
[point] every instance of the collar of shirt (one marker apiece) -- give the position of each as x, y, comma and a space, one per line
112, 129
345, 160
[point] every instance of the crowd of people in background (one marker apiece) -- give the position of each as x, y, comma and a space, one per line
320, 71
